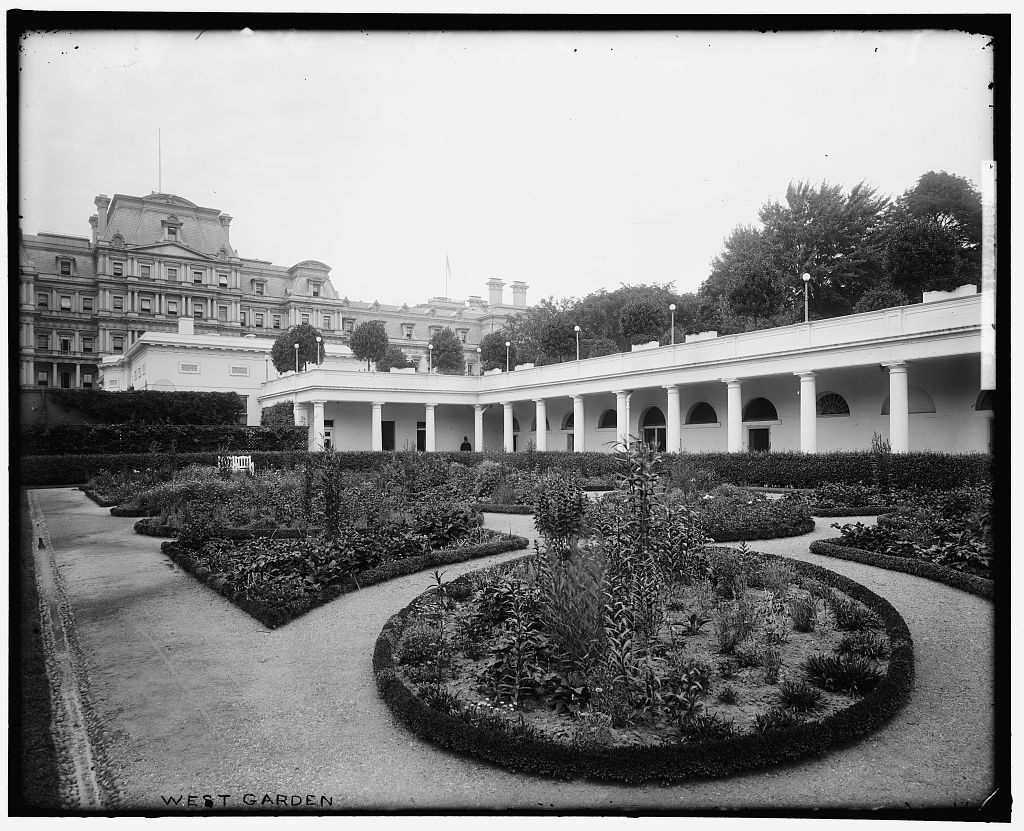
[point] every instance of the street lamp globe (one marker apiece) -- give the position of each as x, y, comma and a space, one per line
508, 345
672, 309
296, 357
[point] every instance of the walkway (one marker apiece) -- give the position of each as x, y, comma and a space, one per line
197, 697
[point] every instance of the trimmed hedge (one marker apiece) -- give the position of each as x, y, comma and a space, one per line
790, 470
79, 469
863, 510
761, 532
148, 527
501, 508
61, 439
660, 763
969, 583
98, 498
153, 406
272, 617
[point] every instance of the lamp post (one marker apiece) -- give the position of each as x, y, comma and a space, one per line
319, 354
672, 309
508, 344
479, 359
296, 359
577, 330
807, 280
430, 357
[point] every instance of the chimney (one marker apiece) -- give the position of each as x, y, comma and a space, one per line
102, 203
476, 301
519, 294
92, 223
186, 326
225, 223
494, 287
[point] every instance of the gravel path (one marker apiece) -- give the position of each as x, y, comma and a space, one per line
195, 697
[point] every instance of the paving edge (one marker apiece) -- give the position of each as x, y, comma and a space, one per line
80, 759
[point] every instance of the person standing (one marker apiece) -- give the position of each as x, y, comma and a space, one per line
465, 444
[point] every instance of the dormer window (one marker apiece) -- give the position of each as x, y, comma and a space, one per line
117, 241
172, 228
407, 331
315, 288
259, 289
64, 267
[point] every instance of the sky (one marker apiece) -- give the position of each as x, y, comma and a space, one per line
572, 161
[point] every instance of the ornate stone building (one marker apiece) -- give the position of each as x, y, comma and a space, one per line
155, 259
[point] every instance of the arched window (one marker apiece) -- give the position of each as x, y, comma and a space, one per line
652, 428
918, 400
117, 241
533, 424
568, 421
515, 424
702, 413
608, 420
832, 404
760, 409
986, 400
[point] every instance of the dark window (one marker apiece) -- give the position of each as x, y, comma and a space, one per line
652, 425
760, 439
87, 346
86, 304
198, 310
608, 420
144, 272
145, 305
242, 316
305, 320
197, 277
833, 404
43, 301
118, 269
568, 422
421, 435
702, 413
119, 303
42, 378
42, 341
87, 380
277, 321
259, 321
172, 274
316, 289
65, 268
760, 409
65, 380
259, 289
172, 307
118, 344
172, 232
222, 279
65, 345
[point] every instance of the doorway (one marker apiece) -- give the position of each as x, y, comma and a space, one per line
421, 435
759, 438
652, 427
387, 435
328, 433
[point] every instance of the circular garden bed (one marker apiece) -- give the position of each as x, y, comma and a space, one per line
753, 660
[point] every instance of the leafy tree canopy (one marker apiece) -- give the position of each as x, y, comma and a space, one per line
492, 350
282, 353
369, 341
394, 358
447, 356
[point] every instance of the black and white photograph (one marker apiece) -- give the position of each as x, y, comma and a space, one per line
467, 415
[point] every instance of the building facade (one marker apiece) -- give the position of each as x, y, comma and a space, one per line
912, 374
153, 260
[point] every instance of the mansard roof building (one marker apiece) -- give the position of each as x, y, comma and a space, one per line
156, 259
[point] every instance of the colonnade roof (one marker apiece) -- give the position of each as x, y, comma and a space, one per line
908, 333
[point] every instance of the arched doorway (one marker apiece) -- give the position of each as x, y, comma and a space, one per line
652, 428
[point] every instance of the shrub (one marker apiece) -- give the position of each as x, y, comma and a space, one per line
844, 673
775, 719
419, 645
708, 727
800, 696
278, 415
866, 644
804, 612
748, 656
69, 439
728, 694
851, 616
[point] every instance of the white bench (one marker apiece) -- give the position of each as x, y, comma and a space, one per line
236, 463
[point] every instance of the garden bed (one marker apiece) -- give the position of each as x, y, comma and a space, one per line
502, 508
152, 527
908, 565
274, 614
566, 727
100, 499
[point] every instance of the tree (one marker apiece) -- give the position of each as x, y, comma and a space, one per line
922, 255
394, 358
369, 341
557, 340
447, 356
492, 350
282, 353
882, 296
641, 320
278, 415
948, 200
597, 347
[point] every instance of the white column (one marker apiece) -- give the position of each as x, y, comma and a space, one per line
542, 428
621, 419
899, 408
78, 376
318, 425
507, 431
431, 438
734, 414
376, 426
808, 413
672, 420
478, 427
578, 423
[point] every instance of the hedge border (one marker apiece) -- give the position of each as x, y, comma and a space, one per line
969, 583
147, 528
804, 526
97, 497
659, 763
273, 617
865, 510
501, 508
